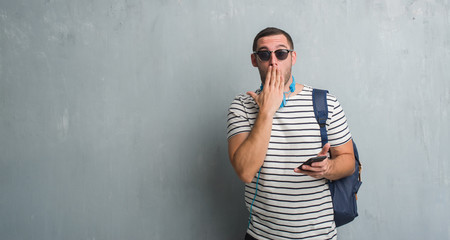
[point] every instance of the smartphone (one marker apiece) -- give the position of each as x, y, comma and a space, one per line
312, 160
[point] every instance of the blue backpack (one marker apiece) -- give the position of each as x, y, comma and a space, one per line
344, 190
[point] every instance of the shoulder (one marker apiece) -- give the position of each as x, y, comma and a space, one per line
245, 98
243, 101
331, 98
307, 89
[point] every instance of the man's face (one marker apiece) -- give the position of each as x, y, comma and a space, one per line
273, 43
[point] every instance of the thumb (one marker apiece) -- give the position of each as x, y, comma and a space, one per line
252, 94
325, 150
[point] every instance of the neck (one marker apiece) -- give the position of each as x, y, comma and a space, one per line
289, 86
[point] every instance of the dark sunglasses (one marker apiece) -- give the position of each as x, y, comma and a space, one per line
281, 54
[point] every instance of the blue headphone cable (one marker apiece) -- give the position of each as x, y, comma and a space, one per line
251, 205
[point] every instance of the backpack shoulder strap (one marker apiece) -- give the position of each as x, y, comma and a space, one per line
320, 106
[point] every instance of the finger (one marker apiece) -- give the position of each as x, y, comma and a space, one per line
311, 173
268, 76
325, 150
307, 169
280, 79
274, 81
320, 165
310, 170
316, 176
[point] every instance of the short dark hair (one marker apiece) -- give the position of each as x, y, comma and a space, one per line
270, 31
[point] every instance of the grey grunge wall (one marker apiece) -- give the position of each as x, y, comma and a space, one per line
113, 113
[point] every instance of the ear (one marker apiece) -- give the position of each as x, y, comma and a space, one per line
294, 57
254, 60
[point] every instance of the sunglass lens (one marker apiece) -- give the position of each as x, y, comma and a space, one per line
281, 54
264, 55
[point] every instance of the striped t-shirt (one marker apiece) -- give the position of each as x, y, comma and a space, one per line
290, 205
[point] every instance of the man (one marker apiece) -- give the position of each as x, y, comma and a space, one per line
270, 133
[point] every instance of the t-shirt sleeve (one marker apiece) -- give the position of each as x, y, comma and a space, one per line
338, 130
237, 121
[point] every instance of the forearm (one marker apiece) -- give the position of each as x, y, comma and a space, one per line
341, 166
250, 155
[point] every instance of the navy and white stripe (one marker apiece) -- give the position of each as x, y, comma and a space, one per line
290, 205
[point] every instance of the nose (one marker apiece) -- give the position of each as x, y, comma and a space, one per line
273, 61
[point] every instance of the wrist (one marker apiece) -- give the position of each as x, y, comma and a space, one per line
329, 171
265, 115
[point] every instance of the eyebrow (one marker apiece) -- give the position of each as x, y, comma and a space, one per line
278, 46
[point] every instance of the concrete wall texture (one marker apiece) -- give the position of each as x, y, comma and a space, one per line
113, 113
